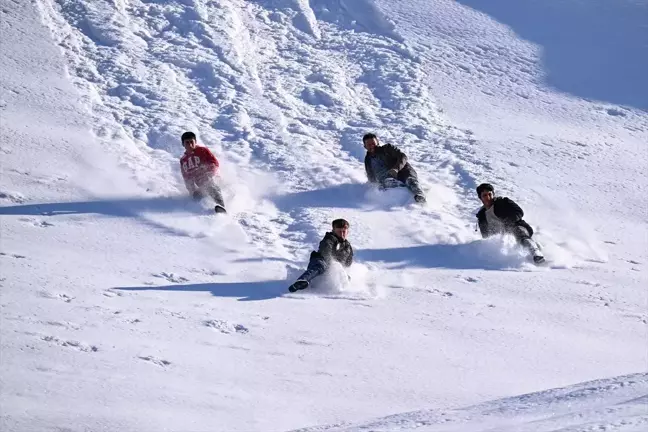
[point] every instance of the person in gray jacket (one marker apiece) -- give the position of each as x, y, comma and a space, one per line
388, 166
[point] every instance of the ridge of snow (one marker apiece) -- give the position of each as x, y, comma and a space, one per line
617, 403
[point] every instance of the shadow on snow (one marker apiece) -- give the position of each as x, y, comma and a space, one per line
123, 207
244, 291
595, 49
477, 255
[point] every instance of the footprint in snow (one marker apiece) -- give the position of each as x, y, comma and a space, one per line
615, 112
14, 197
12, 255
46, 294
171, 277
112, 293
37, 223
605, 301
154, 360
168, 313
441, 293
226, 326
70, 343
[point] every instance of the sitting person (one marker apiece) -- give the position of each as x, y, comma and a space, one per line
199, 169
501, 215
333, 247
387, 165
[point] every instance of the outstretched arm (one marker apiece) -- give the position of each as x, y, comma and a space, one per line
325, 251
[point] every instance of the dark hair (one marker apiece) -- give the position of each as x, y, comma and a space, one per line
485, 187
368, 137
340, 223
187, 136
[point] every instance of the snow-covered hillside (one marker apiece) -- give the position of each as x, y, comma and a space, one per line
617, 403
127, 307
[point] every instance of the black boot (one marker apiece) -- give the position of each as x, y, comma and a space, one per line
300, 284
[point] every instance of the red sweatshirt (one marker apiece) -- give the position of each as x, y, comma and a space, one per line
198, 166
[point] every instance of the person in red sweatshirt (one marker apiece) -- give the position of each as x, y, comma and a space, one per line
199, 168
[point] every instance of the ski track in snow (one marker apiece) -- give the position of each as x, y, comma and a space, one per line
114, 280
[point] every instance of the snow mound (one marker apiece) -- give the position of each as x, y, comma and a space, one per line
617, 404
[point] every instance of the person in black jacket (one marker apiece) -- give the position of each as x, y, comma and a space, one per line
501, 215
387, 165
333, 247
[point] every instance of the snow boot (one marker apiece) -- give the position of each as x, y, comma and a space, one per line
419, 198
219, 209
534, 250
300, 284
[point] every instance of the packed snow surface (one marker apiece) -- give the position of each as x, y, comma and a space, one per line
126, 306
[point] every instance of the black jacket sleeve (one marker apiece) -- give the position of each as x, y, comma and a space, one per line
482, 223
399, 158
509, 211
369, 170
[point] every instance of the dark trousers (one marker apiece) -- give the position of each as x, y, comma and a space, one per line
519, 232
409, 176
211, 189
316, 266
523, 237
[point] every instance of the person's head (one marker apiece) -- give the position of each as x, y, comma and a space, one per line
341, 228
486, 193
189, 141
370, 142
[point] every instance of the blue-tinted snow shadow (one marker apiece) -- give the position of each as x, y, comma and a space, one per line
594, 49
474, 255
244, 291
124, 207
347, 195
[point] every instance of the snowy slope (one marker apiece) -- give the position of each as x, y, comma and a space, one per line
124, 306
617, 403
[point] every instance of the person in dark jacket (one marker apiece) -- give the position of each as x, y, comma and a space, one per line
333, 247
387, 165
501, 215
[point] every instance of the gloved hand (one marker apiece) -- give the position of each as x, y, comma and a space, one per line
392, 173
